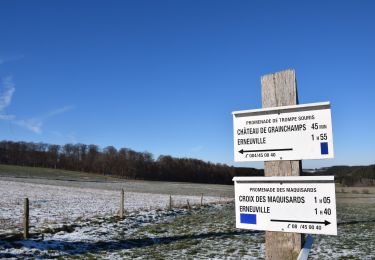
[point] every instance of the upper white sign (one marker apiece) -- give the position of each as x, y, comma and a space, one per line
283, 133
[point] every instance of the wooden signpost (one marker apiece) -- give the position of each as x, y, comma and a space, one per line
122, 202
280, 89
281, 134
26, 234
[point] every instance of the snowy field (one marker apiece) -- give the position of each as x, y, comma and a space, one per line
59, 204
201, 233
81, 222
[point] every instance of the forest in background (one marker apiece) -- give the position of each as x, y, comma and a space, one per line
129, 164
123, 163
350, 175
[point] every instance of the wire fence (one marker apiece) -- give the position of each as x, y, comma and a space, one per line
56, 204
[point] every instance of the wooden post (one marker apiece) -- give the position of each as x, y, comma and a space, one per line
170, 202
201, 199
26, 219
122, 204
188, 205
280, 89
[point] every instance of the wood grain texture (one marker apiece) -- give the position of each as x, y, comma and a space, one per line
280, 89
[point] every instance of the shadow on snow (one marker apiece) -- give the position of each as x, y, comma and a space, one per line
66, 248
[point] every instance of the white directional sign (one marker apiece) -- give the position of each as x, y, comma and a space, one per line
287, 204
283, 133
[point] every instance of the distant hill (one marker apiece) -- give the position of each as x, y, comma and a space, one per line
345, 175
349, 175
24, 172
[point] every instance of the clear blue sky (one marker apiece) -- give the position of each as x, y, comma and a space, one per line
164, 76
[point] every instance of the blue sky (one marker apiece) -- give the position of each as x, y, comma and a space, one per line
164, 76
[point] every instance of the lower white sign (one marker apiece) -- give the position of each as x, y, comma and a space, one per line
299, 204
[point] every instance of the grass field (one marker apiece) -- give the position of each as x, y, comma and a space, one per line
63, 178
45, 173
202, 233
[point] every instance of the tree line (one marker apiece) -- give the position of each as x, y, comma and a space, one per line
351, 175
123, 163
129, 164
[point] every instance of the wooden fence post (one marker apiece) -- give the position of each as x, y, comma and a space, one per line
170, 202
26, 219
122, 204
280, 89
201, 199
